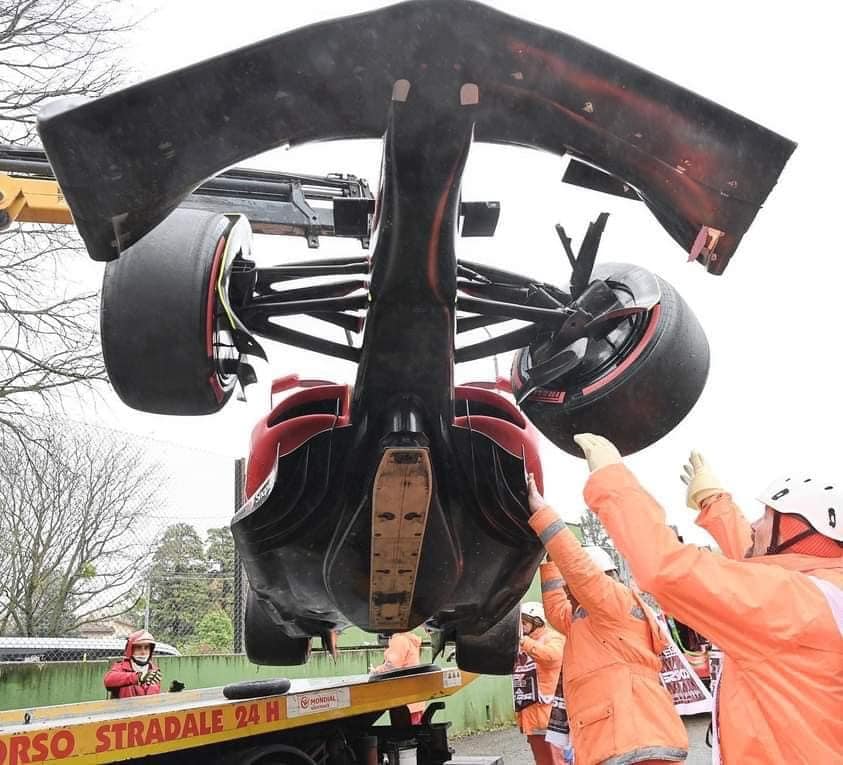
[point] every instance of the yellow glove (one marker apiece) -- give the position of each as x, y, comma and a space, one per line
598, 451
700, 480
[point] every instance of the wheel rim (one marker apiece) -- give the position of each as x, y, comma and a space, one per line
608, 353
222, 352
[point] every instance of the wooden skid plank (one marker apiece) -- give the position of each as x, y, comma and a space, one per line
400, 504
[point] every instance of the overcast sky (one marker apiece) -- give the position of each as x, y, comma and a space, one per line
771, 403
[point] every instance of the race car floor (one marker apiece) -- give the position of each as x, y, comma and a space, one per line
510, 743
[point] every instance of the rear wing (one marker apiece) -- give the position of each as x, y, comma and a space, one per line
128, 159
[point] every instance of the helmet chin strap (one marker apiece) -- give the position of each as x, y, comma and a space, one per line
775, 546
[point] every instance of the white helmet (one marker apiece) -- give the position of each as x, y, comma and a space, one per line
533, 610
818, 501
600, 558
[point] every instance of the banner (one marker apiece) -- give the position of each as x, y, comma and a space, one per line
525, 682
716, 664
558, 730
690, 696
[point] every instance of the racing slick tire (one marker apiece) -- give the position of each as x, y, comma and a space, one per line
163, 331
636, 397
493, 652
266, 643
252, 689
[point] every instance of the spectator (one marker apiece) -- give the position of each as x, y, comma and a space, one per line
136, 674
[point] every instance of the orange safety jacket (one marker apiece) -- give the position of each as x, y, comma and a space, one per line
778, 619
722, 518
618, 710
403, 650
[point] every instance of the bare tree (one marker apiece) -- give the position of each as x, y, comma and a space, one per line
593, 532
74, 529
48, 336
48, 339
54, 48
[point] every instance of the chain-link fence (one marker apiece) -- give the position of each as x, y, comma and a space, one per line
100, 536
187, 614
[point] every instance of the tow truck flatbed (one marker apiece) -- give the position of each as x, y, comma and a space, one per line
128, 729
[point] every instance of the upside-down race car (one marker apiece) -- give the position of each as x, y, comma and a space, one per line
402, 498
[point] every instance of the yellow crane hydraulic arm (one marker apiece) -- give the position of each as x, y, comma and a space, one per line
31, 200
274, 202
29, 192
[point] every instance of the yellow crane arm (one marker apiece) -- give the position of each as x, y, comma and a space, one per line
31, 200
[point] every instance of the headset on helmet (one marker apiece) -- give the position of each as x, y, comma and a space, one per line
818, 501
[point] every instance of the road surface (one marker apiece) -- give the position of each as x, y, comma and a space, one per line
513, 746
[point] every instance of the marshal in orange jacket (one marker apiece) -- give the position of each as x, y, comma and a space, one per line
781, 689
403, 650
618, 710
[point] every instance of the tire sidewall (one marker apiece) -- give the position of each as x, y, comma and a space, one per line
154, 317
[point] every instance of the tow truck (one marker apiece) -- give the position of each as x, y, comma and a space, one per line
328, 721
